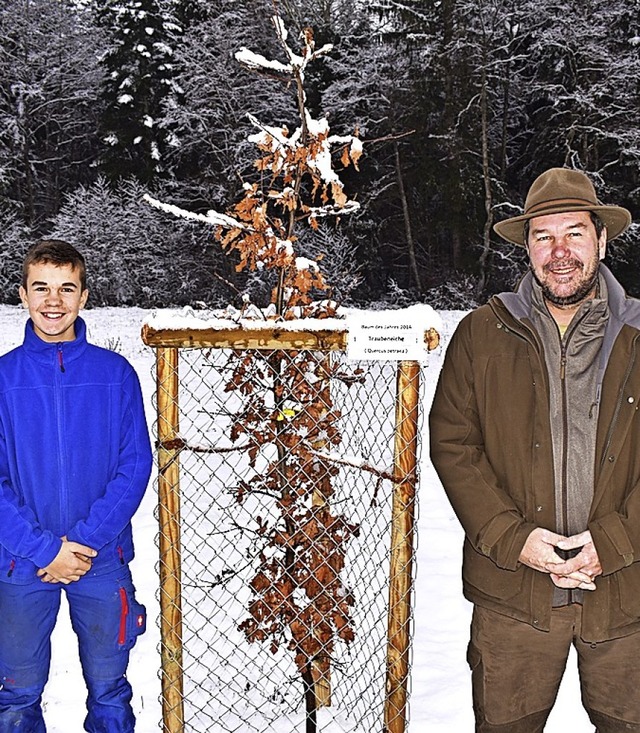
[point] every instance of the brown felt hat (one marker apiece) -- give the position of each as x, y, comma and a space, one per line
561, 190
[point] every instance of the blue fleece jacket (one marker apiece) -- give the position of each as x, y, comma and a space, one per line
75, 456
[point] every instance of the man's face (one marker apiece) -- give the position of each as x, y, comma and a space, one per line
54, 297
564, 255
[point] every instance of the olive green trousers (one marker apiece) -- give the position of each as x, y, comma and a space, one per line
517, 670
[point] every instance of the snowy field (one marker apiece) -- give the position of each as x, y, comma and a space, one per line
440, 695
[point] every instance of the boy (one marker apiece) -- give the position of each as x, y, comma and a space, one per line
75, 460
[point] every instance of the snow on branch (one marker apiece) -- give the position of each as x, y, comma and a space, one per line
317, 212
211, 217
273, 138
257, 62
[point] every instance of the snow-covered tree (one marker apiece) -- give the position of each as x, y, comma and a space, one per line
577, 106
138, 85
189, 13
212, 156
16, 240
136, 256
48, 103
577, 88
263, 226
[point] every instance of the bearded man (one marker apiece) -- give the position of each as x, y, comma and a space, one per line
535, 434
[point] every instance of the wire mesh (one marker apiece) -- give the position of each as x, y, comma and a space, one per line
281, 472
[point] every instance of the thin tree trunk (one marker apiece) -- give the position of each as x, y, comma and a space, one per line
311, 703
488, 194
407, 222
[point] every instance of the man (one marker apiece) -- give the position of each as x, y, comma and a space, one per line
75, 460
535, 434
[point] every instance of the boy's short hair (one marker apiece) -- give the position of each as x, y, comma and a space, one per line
57, 252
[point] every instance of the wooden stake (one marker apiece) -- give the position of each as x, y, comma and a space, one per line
169, 542
402, 533
321, 666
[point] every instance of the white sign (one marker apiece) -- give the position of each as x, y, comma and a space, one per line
385, 340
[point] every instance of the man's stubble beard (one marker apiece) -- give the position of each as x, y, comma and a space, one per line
584, 289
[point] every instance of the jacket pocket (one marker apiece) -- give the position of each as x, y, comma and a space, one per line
482, 574
628, 582
133, 620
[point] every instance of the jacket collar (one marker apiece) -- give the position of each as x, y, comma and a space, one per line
45, 351
623, 309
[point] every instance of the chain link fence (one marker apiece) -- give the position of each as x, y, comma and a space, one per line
286, 509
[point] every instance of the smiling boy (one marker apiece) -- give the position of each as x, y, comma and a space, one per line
75, 460
54, 295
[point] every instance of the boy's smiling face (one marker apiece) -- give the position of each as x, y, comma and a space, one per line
54, 297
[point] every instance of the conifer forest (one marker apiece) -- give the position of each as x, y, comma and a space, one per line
459, 105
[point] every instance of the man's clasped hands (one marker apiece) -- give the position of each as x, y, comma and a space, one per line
539, 553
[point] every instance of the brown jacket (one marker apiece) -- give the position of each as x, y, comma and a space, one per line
492, 448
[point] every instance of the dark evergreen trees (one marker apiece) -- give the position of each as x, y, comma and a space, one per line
137, 87
460, 104
48, 105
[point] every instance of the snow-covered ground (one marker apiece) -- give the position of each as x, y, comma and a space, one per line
440, 696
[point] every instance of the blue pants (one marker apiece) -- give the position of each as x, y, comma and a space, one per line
106, 619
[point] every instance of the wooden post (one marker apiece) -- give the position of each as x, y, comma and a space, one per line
169, 543
321, 666
402, 533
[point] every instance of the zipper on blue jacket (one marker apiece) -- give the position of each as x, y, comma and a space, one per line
61, 441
